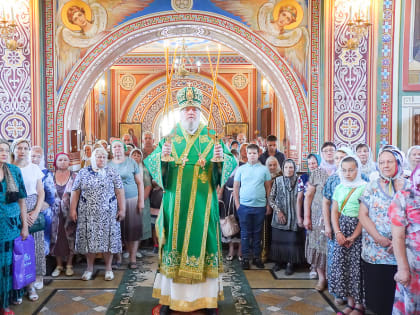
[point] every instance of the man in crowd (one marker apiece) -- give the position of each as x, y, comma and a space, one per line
241, 138
272, 151
190, 258
251, 189
126, 138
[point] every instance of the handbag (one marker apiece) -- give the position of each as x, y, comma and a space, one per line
39, 224
228, 224
23, 263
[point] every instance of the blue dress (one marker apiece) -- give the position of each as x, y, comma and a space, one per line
10, 223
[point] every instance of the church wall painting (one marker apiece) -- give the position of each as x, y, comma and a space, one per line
299, 94
81, 24
15, 76
411, 54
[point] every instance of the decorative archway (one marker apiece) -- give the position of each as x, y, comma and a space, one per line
143, 30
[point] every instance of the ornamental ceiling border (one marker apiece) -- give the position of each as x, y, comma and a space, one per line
166, 25
154, 94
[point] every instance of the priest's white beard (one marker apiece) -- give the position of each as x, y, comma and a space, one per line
190, 126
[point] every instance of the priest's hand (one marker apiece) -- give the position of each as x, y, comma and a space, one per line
218, 151
167, 148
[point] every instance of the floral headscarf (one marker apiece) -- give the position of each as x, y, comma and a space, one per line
399, 170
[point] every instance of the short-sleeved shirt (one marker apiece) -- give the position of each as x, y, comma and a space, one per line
377, 201
252, 178
31, 173
351, 208
127, 170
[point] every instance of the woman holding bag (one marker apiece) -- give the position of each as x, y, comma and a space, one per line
12, 221
32, 177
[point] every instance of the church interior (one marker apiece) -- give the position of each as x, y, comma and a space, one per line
341, 71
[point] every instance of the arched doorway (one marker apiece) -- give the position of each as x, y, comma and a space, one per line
144, 30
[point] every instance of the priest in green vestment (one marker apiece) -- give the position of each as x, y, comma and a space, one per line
190, 253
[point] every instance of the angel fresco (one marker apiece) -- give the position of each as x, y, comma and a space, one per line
282, 23
81, 24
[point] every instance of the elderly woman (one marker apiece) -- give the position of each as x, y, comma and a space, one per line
316, 241
37, 157
364, 154
288, 240
405, 220
275, 171
378, 261
413, 159
131, 226
273, 167
32, 177
63, 228
137, 156
97, 204
86, 155
13, 222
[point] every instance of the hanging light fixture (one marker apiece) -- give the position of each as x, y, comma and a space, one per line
186, 65
8, 29
359, 13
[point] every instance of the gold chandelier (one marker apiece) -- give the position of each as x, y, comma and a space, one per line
358, 25
186, 65
8, 30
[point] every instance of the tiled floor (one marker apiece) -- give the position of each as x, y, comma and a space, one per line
275, 293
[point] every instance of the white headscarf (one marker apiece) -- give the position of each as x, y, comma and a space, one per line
407, 165
101, 171
358, 181
370, 165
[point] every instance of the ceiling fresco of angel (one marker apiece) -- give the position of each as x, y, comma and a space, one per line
283, 23
81, 24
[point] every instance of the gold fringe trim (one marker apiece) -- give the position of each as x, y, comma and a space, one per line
186, 306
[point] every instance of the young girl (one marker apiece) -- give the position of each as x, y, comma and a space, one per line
346, 278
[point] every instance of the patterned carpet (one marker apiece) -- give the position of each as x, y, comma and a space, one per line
255, 291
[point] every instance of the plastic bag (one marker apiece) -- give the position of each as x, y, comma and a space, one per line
24, 269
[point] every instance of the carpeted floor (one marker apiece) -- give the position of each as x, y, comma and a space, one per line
255, 291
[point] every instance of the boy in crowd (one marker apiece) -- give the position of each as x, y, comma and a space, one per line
251, 189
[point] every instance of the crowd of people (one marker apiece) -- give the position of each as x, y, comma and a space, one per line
354, 222
101, 210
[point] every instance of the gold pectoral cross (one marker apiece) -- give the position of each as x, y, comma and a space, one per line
184, 160
201, 161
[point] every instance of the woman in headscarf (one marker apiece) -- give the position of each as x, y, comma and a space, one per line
275, 171
13, 223
404, 213
364, 153
288, 240
97, 204
316, 241
413, 159
86, 155
137, 156
37, 157
63, 228
32, 177
378, 260
345, 279
131, 226
332, 182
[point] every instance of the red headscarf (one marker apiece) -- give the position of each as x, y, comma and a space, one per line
56, 157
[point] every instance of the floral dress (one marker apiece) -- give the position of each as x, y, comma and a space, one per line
316, 241
98, 230
405, 211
